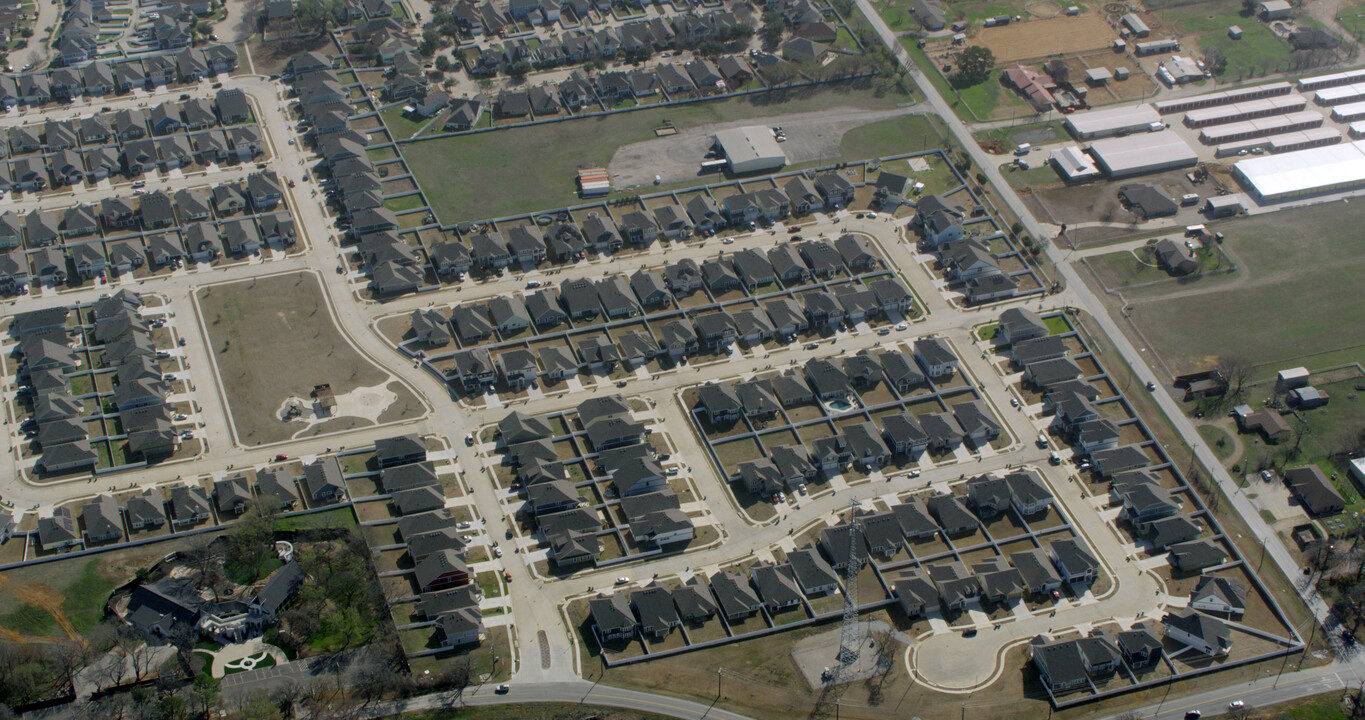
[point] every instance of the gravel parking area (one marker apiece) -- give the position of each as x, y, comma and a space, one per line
811, 136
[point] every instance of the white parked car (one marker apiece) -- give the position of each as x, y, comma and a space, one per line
623, 580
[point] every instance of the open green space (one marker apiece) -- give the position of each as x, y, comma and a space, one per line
1287, 302
1257, 53
485, 183
908, 133
1352, 21
986, 100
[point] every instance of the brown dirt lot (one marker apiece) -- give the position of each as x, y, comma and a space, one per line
256, 326
1038, 38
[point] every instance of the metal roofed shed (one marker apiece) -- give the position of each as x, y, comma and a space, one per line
1245, 110
1073, 164
1141, 154
1098, 76
1335, 168
1338, 94
750, 149
1357, 129
1235, 32
1112, 121
1224, 205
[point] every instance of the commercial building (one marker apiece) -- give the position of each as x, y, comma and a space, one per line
1275, 178
750, 149
1245, 110
1073, 164
1141, 154
1357, 129
1260, 127
1112, 121
1227, 97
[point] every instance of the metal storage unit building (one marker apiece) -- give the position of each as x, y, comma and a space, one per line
1260, 127
1226, 97
1245, 110
1141, 154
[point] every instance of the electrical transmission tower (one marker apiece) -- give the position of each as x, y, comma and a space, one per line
850, 640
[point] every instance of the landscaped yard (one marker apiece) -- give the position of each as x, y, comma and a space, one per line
477, 188
401, 126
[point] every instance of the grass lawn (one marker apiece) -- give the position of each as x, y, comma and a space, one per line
893, 136
400, 126
245, 575
898, 15
407, 202
1033, 132
1353, 22
1258, 52
1218, 439
560, 148
1283, 303
338, 518
1057, 325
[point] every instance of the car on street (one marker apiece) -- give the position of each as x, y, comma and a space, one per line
812, 346
1014, 402
506, 576
217, 86
914, 473
673, 471
1042, 440
794, 229
469, 439
531, 284
728, 241
1056, 594
1236, 705
1054, 458
1193, 715
504, 688
901, 326
281, 457
186, 434
497, 552
623, 580
884, 331
182, 342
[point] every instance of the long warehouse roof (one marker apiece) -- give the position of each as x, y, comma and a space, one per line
1280, 103
1099, 121
1142, 150
1305, 170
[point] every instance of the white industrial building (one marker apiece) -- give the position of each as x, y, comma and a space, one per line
1112, 121
1274, 178
1142, 153
1073, 164
1357, 129
1260, 127
750, 149
1245, 110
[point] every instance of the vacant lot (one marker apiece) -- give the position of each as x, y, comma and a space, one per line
488, 181
256, 328
1288, 300
1036, 38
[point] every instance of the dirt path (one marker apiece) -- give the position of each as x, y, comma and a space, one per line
811, 136
45, 598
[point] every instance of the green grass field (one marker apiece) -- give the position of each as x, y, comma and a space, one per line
983, 101
407, 202
1257, 53
486, 182
1286, 303
401, 127
1353, 22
